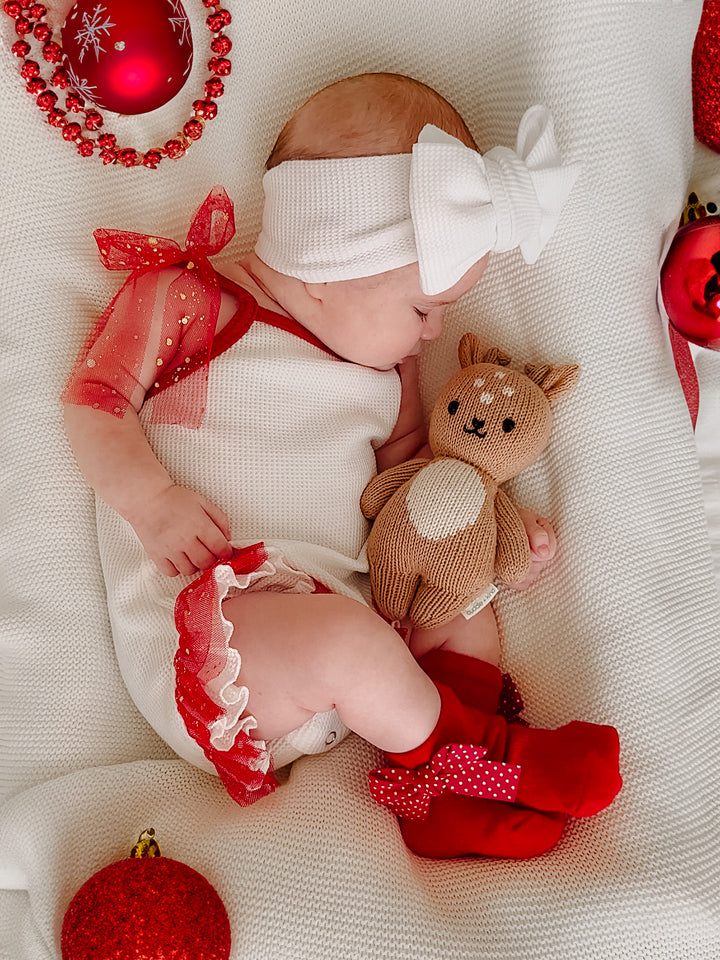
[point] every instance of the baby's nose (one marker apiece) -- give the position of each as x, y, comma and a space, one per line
433, 325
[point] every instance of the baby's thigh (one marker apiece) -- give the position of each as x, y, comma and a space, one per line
295, 650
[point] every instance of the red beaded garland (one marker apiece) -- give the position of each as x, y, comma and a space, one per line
193, 129
221, 45
30, 22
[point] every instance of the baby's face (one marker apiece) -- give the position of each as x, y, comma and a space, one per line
378, 321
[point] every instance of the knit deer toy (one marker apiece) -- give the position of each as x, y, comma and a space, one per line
443, 528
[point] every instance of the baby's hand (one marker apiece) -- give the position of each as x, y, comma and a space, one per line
542, 542
182, 531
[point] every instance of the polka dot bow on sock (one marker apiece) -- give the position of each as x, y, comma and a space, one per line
458, 768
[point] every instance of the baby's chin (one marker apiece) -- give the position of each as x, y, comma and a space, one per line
411, 357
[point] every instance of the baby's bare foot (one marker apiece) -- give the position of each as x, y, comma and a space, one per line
542, 542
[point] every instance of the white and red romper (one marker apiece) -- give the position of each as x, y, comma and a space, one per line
285, 446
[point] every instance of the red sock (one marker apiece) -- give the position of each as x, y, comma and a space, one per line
463, 826
573, 769
476, 683
458, 826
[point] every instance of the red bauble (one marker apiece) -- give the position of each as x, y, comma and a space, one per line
706, 76
146, 908
690, 282
130, 56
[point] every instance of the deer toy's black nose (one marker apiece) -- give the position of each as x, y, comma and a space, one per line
477, 426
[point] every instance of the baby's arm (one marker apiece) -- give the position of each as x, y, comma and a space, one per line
408, 440
180, 529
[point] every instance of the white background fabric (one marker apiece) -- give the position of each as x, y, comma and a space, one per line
623, 628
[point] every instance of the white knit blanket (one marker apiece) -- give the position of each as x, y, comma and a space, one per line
623, 628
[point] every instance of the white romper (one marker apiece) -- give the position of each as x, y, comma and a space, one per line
285, 448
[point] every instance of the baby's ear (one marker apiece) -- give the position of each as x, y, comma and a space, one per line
555, 381
471, 351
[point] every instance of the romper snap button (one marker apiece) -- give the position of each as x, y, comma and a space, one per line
331, 737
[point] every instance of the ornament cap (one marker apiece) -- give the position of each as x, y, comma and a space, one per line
146, 846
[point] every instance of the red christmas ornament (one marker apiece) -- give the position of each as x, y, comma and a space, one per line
147, 907
106, 144
690, 282
706, 76
130, 56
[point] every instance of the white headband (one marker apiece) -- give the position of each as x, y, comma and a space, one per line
444, 206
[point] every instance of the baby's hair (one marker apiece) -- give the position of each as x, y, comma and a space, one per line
372, 114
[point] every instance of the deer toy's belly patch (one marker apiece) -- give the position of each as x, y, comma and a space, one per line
445, 498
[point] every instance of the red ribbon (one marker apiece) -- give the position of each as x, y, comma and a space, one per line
457, 768
685, 368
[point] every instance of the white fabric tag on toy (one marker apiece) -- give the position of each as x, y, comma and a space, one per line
480, 602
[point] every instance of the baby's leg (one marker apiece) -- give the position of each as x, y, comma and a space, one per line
304, 654
477, 637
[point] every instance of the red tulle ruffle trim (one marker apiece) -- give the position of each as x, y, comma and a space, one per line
245, 769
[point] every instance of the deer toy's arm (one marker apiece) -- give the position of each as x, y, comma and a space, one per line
377, 493
512, 553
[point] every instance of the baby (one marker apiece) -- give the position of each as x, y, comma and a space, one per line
229, 424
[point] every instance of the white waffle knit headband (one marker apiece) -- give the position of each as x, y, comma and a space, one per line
444, 205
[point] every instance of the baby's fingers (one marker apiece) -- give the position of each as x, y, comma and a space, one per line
202, 557
166, 567
540, 534
542, 539
185, 565
218, 517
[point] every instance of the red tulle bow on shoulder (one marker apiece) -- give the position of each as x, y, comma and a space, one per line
212, 228
457, 768
193, 298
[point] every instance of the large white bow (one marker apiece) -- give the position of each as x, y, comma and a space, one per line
464, 204
444, 205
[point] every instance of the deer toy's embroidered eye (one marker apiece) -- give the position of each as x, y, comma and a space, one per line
508, 425
453, 407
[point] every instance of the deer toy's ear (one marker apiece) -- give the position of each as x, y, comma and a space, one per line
496, 356
555, 381
471, 351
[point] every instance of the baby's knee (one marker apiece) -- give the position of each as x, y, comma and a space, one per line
355, 630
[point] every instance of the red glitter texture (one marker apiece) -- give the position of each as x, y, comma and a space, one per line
149, 908
706, 77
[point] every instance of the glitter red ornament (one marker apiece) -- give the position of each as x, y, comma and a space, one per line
706, 76
146, 907
129, 56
